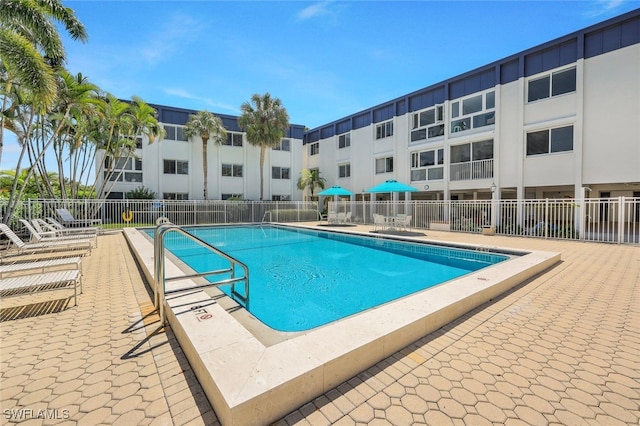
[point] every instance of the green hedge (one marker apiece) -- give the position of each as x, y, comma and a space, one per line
293, 215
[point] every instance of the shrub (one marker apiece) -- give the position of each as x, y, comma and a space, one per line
140, 193
293, 215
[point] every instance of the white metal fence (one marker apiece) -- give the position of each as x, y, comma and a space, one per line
122, 213
613, 220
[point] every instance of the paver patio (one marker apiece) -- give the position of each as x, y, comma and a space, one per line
563, 348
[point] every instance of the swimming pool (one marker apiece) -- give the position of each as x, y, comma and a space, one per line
301, 279
254, 375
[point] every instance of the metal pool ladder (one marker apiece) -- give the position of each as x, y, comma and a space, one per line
160, 290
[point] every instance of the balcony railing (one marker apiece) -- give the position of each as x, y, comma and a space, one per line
479, 169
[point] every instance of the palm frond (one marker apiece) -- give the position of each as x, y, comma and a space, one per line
22, 60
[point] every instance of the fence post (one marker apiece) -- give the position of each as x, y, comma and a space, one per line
494, 213
582, 218
621, 219
546, 218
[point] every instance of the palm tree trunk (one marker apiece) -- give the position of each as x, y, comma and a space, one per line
262, 150
205, 165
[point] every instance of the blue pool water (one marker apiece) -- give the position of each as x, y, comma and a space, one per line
301, 279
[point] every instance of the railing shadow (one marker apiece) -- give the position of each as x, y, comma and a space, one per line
35, 309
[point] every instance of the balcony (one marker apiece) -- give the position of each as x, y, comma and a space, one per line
472, 170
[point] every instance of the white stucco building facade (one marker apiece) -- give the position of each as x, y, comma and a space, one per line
172, 168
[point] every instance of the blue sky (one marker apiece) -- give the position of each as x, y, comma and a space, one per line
323, 59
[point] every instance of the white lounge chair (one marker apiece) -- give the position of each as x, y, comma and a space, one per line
67, 219
379, 222
332, 217
403, 222
51, 235
78, 230
41, 266
22, 247
59, 280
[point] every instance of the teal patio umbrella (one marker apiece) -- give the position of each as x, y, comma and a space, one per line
391, 186
336, 191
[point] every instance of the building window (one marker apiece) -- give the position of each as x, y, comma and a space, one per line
284, 145
476, 151
384, 165
176, 167
559, 139
114, 176
344, 140
314, 149
428, 124
114, 195
280, 172
169, 132
123, 163
175, 196
384, 130
554, 84
231, 196
281, 198
344, 170
427, 165
123, 170
180, 135
472, 105
133, 177
233, 139
232, 170
473, 112
472, 161
174, 133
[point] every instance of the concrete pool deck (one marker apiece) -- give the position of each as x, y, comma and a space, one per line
564, 348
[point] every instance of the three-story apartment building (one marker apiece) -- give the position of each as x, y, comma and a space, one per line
172, 168
543, 123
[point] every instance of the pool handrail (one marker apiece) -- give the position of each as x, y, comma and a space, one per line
160, 290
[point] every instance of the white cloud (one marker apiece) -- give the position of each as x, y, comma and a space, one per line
314, 11
179, 30
604, 7
184, 94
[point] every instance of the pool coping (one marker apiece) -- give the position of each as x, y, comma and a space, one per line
249, 383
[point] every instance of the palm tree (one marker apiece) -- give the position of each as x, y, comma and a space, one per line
207, 126
31, 49
117, 135
266, 123
310, 179
76, 100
